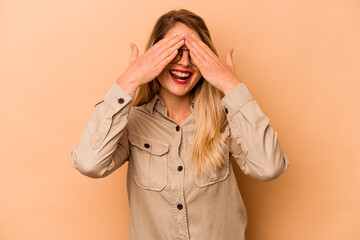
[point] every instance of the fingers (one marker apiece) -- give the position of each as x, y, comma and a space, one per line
134, 53
168, 59
196, 58
168, 42
196, 50
175, 40
168, 45
229, 59
167, 52
202, 54
198, 54
200, 46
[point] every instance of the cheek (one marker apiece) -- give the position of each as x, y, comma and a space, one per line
196, 80
198, 76
198, 73
163, 75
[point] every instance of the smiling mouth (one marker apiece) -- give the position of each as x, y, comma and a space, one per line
180, 80
181, 76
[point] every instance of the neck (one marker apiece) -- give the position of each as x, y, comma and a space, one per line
178, 106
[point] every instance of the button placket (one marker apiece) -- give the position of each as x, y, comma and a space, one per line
177, 128
179, 180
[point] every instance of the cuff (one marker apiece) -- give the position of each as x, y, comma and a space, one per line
117, 98
235, 99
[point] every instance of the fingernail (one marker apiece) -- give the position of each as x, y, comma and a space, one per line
232, 50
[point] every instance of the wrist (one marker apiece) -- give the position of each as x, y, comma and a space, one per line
127, 83
229, 85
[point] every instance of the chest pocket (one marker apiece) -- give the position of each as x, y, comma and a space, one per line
150, 162
215, 177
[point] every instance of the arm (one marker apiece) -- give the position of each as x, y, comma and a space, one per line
103, 145
253, 142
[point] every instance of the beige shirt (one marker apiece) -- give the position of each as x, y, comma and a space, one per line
165, 201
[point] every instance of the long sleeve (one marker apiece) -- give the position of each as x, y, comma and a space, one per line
253, 142
103, 146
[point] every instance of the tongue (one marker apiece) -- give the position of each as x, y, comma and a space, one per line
177, 77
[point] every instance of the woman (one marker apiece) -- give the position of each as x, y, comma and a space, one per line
189, 115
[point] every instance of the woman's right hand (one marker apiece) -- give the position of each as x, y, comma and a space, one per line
148, 66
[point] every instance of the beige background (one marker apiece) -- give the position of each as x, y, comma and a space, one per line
299, 59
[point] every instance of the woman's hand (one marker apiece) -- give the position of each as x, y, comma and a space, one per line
145, 68
220, 75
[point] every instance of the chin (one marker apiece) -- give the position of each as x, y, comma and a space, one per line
178, 92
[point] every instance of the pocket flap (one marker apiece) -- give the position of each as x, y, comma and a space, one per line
150, 145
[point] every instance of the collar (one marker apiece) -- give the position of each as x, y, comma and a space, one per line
156, 103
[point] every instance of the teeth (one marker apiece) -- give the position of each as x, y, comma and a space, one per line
180, 74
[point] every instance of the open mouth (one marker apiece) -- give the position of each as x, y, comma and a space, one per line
180, 76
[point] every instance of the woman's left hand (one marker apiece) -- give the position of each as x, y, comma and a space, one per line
220, 75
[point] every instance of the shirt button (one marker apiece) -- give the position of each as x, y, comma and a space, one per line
226, 111
180, 168
177, 128
147, 145
121, 100
179, 206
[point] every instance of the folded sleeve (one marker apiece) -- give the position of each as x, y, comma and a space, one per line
253, 142
103, 146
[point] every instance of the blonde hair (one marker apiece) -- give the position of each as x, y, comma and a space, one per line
209, 149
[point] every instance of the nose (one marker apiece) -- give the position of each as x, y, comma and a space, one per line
185, 59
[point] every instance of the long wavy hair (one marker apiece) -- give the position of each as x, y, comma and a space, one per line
209, 148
